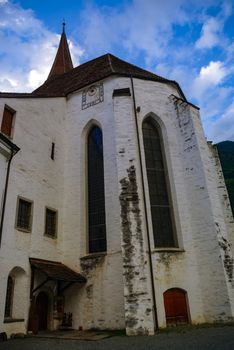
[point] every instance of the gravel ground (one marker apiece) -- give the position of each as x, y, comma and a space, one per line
214, 338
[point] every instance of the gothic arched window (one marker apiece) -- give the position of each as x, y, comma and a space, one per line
9, 297
96, 192
161, 208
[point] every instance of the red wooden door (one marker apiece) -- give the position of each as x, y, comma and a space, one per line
175, 304
42, 310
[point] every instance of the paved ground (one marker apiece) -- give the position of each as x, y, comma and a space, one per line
216, 338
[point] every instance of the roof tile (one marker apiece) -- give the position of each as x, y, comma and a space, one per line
93, 71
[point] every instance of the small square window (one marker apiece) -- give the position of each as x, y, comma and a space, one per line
51, 223
7, 121
24, 215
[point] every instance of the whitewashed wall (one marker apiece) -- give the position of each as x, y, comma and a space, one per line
34, 176
118, 291
100, 303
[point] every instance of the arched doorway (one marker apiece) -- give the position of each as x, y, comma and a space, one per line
175, 303
42, 304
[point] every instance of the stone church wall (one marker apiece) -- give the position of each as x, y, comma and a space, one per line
119, 290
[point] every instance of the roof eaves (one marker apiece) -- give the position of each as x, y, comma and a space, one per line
173, 82
30, 95
15, 94
134, 75
183, 100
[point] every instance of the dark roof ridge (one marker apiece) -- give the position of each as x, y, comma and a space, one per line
110, 63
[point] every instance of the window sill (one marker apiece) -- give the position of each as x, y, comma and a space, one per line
23, 230
9, 137
93, 256
12, 320
50, 236
168, 249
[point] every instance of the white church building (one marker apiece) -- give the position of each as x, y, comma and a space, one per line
114, 211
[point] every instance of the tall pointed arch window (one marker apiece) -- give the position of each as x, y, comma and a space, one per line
161, 207
96, 192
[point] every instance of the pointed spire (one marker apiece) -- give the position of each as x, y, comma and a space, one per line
64, 23
62, 62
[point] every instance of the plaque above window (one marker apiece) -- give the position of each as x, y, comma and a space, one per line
93, 95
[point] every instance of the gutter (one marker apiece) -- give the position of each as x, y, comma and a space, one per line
13, 150
145, 209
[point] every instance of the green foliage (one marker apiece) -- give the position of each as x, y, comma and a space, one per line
226, 155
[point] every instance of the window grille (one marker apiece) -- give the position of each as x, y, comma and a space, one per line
24, 214
9, 297
161, 208
51, 223
96, 192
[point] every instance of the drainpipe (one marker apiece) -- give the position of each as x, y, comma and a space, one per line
145, 208
14, 149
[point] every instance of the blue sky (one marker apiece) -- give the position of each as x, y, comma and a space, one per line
190, 41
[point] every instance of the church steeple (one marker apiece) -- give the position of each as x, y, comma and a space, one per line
62, 62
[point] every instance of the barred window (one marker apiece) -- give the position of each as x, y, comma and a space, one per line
96, 192
24, 215
7, 121
161, 207
9, 297
51, 223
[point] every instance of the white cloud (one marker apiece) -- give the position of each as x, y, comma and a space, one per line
27, 49
226, 8
223, 128
209, 77
138, 27
212, 29
213, 73
210, 36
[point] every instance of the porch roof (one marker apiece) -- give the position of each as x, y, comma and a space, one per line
57, 271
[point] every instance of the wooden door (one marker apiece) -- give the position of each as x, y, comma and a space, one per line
175, 303
42, 304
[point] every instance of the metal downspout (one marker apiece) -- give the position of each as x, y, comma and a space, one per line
5, 194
